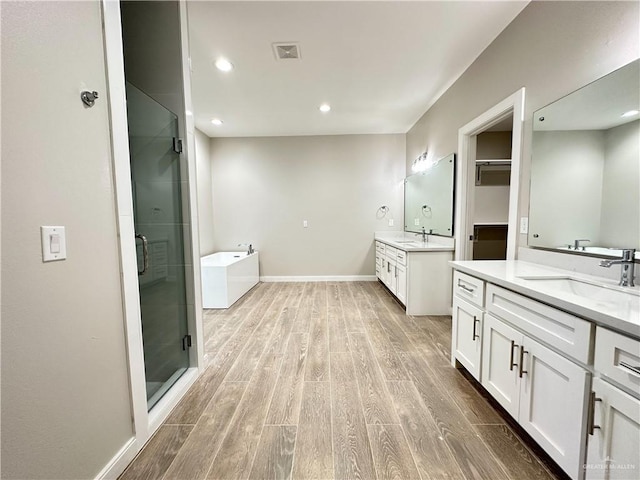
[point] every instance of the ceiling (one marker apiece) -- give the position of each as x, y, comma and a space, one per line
380, 65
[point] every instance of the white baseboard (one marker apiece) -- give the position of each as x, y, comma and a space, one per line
320, 278
119, 462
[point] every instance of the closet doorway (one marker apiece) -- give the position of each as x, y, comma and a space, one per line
488, 184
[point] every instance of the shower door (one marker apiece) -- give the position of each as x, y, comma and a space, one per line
156, 174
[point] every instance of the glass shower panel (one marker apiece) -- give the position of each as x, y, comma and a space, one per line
161, 234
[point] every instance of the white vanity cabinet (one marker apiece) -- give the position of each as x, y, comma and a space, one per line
532, 358
541, 389
614, 424
467, 318
420, 280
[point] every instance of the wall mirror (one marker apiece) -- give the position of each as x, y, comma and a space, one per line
428, 199
585, 168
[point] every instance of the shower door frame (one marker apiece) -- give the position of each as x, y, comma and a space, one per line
145, 422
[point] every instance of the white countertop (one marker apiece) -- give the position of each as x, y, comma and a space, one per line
608, 308
410, 242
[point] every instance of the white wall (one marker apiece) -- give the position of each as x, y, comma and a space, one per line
263, 189
551, 48
65, 396
205, 194
620, 223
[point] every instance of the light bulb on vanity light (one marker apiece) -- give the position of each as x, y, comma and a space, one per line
324, 108
223, 65
630, 113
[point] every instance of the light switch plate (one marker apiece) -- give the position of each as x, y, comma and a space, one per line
54, 243
524, 225
305, 224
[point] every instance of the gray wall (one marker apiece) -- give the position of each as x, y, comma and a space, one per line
551, 48
263, 189
205, 193
65, 395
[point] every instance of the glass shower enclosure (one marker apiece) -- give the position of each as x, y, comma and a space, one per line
161, 240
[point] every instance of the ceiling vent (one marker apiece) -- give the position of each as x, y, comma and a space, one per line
286, 51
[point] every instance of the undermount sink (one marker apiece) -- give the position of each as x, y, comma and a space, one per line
413, 243
583, 288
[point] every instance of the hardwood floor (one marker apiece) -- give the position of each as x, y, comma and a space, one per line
334, 381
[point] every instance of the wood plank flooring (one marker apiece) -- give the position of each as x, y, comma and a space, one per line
334, 381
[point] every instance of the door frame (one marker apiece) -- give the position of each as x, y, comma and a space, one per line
145, 423
465, 181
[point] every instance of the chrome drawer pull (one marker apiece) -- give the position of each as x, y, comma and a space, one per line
592, 413
475, 322
521, 369
466, 289
635, 370
511, 362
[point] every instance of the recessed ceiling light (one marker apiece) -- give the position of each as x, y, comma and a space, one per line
217, 122
224, 65
630, 113
325, 107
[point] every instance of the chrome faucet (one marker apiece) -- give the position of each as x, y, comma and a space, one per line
576, 243
250, 249
628, 267
425, 236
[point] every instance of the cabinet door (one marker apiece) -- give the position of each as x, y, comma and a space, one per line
466, 335
391, 275
552, 404
401, 290
500, 361
383, 270
614, 447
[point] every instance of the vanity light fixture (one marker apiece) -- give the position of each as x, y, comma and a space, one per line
217, 122
324, 108
421, 163
223, 64
630, 113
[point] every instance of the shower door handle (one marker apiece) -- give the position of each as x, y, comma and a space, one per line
145, 254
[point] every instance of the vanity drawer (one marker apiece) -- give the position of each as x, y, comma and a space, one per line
565, 332
391, 253
468, 287
401, 257
380, 247
618, 357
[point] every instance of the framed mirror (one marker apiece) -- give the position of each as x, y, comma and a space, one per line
585, 168
429, 197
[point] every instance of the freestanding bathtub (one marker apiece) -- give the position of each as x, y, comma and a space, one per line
227, 276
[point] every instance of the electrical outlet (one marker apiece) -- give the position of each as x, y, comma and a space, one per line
524, 225
305, 224
416, 222
391, 222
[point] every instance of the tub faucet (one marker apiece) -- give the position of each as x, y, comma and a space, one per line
250, 249
627, 267
576, 243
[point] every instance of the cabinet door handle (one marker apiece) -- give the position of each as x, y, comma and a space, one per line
592, 413
475, 322
396, 270
514, 345
521, 370
635, 370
